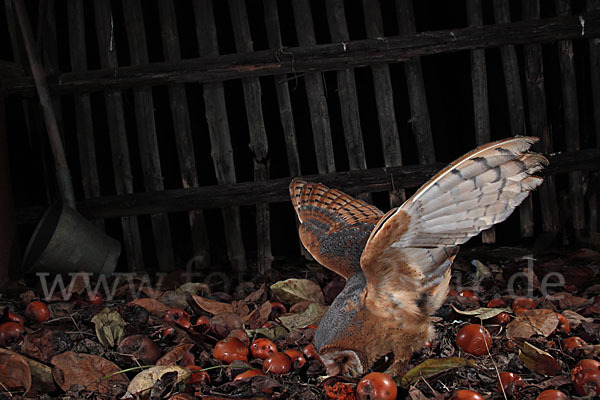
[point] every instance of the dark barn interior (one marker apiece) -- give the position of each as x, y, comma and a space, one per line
182, 123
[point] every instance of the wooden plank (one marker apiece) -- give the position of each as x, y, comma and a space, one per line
419, 111
276, 190
323, 57
516, 108
218, 128
118, 135
384, 98
9, 255
594, 48
183, 131
83, 108
481, 111
538, 120
258, 135
147, 141
571, 120
283, 93
347, 88
315, 91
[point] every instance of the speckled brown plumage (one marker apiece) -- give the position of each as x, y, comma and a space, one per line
397, 265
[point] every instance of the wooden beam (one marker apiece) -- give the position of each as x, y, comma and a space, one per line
324, 57
276, 190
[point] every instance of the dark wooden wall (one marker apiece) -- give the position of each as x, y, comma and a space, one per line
183, 121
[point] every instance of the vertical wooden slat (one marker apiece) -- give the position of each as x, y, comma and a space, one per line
83, 108
183, 130
8, 231
594, 46
516, 108
384, 98
315, 91
148, 144
117, 133
346, 88
258, 134
536, 99
416, 88
218, 128
571, 119
481, 111
283, 92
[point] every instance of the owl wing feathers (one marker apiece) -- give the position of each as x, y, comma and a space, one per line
334, 227
408, 256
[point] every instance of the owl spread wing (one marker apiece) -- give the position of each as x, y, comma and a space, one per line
407, 258
334, 226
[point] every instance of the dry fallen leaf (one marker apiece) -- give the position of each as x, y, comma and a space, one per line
146, 379
153, 306
173, 356
482, 312
213, 307
41, 374
433, 366
312, 315
292, 291
109, 327
532, 322
538, 360
575, 319
14, 372
87, 371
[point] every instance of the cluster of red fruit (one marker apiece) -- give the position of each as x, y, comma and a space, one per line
12, 326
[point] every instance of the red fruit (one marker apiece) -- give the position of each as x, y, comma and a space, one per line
552, 394
310, 352
37, 311
175, 314
139, 347
312, 326
524, 302
278, 306
248, 374
376, 385
278, 363
519, 310
230, 349
496, 303
269, 324
198, 375
500, 319
296, 356
95, 298
241, 335
587, 382
474, 339
10, 316
563, 324
588, 363
464, 394
202, 320
510, 382
573, 342
263, 348
9, 332
469, 294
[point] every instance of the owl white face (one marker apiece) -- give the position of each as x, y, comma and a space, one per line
342, 362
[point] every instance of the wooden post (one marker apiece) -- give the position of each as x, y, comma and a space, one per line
118, 134
384, 98
481, 112
416, 88
571, 120
258, 135
8, 242
536, 98
63, 175
147, 141
183, 131
315, 92
83, 108
594, 46
220, 139
516, 108
347, 92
